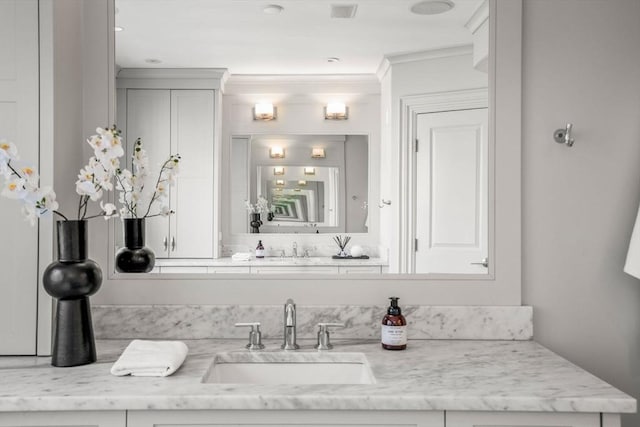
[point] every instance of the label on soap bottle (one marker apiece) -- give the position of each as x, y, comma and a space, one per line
394, 335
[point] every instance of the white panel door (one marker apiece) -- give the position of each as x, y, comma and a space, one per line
19, 106
148, 117
192, 136
451, 218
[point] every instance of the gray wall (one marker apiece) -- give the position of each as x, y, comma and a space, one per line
581, 63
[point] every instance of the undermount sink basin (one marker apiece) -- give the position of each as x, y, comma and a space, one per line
289, 368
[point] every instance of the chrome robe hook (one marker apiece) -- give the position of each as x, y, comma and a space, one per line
563, 136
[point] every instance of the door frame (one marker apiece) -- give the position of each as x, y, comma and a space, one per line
410, 107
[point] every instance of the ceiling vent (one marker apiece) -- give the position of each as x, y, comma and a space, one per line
347, 11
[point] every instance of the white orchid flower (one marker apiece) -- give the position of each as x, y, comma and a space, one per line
15, 189
108, 210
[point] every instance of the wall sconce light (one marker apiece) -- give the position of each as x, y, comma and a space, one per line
278, 170
302, 182
279, 181
309, 171
317, 153
264, 111
276, 153
336, 111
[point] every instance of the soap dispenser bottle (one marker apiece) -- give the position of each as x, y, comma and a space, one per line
394, 327
259, 250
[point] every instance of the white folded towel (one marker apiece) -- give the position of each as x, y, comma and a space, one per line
150, 358
241, 256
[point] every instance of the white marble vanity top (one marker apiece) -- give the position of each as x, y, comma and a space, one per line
429, 375
269, 261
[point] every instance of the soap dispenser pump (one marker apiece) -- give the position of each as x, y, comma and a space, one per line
394, 327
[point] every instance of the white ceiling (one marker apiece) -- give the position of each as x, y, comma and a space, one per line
237, 35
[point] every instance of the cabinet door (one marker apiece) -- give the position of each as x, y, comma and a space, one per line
286, 418
19, 124
192, 136
521, 419
64, 419
148, 117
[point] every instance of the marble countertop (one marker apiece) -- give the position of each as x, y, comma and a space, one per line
270, 261
429, 375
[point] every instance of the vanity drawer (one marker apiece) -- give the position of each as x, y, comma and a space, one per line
229, 270
294, 269
360, 269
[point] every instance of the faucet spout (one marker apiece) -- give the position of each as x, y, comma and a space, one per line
295, 254
290, 326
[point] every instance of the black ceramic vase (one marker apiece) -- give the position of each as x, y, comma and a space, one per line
134, 257
71, 280
255, 222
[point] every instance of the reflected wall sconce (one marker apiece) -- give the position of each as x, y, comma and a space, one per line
278, 170
279, 181
309, 171
276, 153
317, 153
264, 111
302, 182
336, 111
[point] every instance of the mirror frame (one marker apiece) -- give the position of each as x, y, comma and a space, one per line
502, 289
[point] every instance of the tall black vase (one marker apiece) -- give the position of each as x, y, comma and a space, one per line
255, 222
134, 257
71, 280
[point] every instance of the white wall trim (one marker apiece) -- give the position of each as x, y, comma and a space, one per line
238, 84
479, 17
402, 58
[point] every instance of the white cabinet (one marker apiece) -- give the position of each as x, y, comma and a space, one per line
19, 105
64, 419
177, 122
522, 419
286, 418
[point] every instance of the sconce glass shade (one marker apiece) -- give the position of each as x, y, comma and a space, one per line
309, 171
302, 182
276, 153
264, 111
336, 111
279, 181
317, 153
278, 170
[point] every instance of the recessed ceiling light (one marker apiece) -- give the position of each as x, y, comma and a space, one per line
273, 9
153, 61
117, 29
333, 59
432, 7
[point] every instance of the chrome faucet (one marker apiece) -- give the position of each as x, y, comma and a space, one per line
290, 326
295, 250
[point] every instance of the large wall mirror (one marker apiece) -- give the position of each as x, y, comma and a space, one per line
357, 187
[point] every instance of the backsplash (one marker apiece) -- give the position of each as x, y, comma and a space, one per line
361, 322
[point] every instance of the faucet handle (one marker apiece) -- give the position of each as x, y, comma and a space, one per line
255, 336
323, 335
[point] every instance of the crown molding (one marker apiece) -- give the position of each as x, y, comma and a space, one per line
401, 58
479, 17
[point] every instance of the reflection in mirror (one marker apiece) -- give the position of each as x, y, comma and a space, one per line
307, 185
439, 192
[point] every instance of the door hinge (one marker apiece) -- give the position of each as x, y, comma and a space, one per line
416, 245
